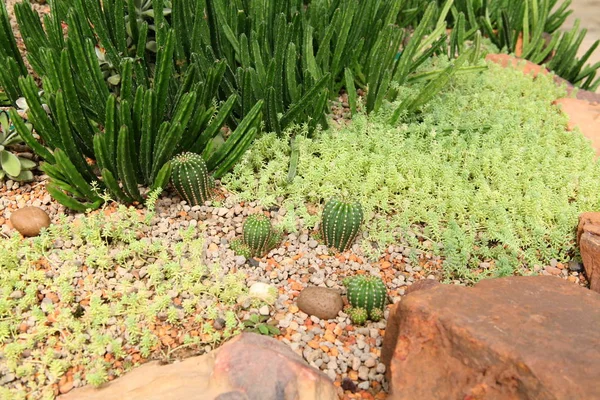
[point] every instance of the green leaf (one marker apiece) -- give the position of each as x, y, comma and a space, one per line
24, 176
263, 329
26, 163
10, 163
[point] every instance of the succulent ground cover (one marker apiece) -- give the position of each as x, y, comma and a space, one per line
101, 293
462, 174
485, 174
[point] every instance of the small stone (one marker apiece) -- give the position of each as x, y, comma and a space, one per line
355, 363
264, 292
313, 244
17, 294
363, 373
254, 262
219, 324
370, 362
264, 310
320, 302
347, 384
29, 221
240, 260
575, 266
552, 270
380, 368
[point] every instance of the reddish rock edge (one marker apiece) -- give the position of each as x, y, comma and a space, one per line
250, 366
510, 338
588, 238
583, 110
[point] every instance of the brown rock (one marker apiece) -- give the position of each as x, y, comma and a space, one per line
321, 302
423, 284
584, 115
503, 339
246, 368
506, 60
588, 238
29, 221
589, 247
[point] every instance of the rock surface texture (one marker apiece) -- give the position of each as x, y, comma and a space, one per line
248, 367
29, 221
321, 302
588, 238
513, 338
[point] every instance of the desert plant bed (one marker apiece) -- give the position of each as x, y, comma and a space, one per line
435, 164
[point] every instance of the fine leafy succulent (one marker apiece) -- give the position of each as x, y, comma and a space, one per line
190, 178
340, 224
366, 293
258, 237
12, 165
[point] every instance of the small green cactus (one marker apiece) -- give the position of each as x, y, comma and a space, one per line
190, 178
340, 224
240, 248
358, 315
367, 292
376, 314
258, 237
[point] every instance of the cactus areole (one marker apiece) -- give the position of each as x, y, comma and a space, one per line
190, 178
340, 224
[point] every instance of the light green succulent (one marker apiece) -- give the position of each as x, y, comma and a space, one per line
12, 166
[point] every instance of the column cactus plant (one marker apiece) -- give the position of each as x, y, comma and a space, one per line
340, 224
367, 296
258, 237
190, 178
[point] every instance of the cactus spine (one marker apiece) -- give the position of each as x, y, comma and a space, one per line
368, 293
258, 234
340, 224
190, 178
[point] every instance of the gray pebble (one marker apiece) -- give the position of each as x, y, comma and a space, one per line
363, 373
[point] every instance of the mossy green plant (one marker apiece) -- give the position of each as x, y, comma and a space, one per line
110, 251
486, 172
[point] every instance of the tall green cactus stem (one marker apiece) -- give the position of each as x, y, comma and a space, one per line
190, 178
367, 292
340, 224
258, 234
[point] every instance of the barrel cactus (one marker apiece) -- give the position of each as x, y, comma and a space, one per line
190, 178
340, 224
258, 235
368, 293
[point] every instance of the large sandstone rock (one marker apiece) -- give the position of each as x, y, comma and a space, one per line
588, 238
321, 302
516, 338
29, 221
249, 367
586, 116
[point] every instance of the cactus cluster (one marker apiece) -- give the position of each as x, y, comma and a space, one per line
190, 178
340, 224
367, 296
258, 237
